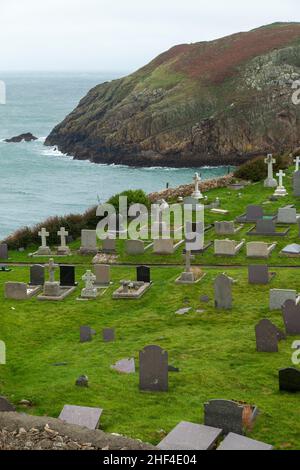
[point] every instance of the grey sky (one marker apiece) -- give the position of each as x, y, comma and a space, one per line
120, 35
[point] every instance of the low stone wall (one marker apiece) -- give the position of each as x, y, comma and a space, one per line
187, 189
22, 431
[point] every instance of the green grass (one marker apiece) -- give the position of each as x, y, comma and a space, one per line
214, 350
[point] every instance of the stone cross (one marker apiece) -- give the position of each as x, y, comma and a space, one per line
51, 267
89, 279
280, 176
270, 161
297, 162
44, 234
197, 192
62, 233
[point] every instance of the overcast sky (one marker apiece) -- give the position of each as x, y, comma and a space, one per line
120, 35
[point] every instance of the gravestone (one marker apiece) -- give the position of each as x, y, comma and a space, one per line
237, 442
265, 227
224, 414
5, 406
291, 317
88, 242
223, 292
287, 215
124, 366
108, 334
254, 213
102, 273
296, 184
37, 275
89, 291
134, 247
197, 193
291, 250
63, 249
289, 380
86, 334
270, 182
67, 275
81, 416
280, 191
3, 251
43, 250
190, 436
16, 290
258, 274
226, 228
279, 296
143, 274
266, 337
109, 245
153, 369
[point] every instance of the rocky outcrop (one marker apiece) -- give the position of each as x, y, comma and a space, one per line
27, 137
217, 102
24, 432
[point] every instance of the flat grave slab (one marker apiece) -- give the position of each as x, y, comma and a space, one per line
132, 293
20, 290
291, 250
190, 436
81, 416
267, 228
237, 442
63, 293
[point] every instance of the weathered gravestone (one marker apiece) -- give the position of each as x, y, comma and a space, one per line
143, 274
267, 227
291, 317
125, 366
253, 213
108, 334
223, 292
289, 380
19, 291
279, 296
296, 184
5, 405
67, 275
3, 251
109, 245
226, 228
88, 242
86, 334
37, 275
102, 273
259, 274
153, 369
227, 415
190, 436
287, 215
237, 442
266, 337
81, 416
134, 247
291, 250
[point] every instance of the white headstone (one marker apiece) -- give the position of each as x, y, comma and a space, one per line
270, 182
197, 193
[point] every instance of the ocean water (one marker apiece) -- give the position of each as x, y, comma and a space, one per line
37, 181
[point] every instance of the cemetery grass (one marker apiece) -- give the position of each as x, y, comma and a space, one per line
214, 350
230, 200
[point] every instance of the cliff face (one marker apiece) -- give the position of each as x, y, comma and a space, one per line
213, 102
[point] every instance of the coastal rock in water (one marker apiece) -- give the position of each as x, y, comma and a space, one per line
207, 103
27, 137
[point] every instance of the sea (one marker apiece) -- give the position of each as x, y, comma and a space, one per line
38, 181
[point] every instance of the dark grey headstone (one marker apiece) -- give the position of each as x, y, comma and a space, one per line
237, 442
296, 183
289, 380
82, 381
254, 213
108, 334
5, 405
190, 436
291, 317
37, 275
143, 274
153, 369
86, 334
266, 336
224, 414
265, 226
3, 251
81, 416
223, 292
67, 275
258, 274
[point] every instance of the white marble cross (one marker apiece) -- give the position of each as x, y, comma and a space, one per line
62, 233
297, 161
44, 234
270, 161
89, 279
51, 267
197, 192
280, 176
